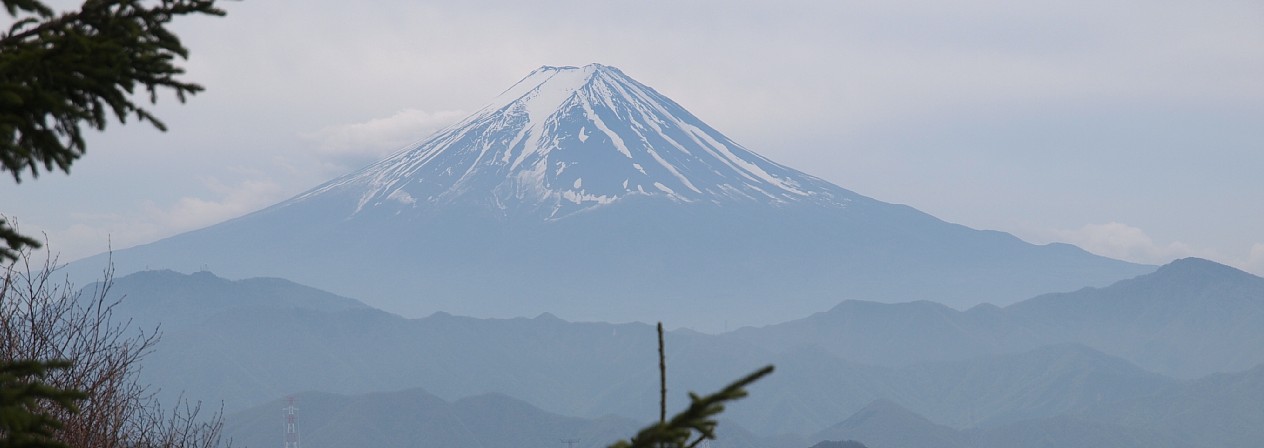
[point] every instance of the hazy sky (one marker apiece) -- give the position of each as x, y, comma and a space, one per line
1134, 129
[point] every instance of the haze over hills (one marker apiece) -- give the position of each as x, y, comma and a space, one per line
1189, 318
886, 424
889, 425
581, 192
1219, 411
249, 341
416, 418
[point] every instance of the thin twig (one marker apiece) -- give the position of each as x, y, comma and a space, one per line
662, 378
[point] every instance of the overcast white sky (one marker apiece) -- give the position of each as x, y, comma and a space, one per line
1132, 128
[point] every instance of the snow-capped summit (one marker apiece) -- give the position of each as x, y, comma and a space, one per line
566, 139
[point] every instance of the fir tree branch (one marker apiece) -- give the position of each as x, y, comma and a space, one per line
31, 6
698, 417
79, 68
25, 400
14, 242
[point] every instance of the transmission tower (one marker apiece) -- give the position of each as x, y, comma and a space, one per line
291, 423
570, 443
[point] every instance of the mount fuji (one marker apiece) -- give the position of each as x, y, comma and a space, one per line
566, 140
582, 192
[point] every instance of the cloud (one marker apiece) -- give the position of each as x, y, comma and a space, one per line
232, 201
1255, 260
1124, 242
92, 233
375, 138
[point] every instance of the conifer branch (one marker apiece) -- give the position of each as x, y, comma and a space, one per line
80, 68
25, 401
698, 417
13, 242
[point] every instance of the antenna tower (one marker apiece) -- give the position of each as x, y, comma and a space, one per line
291, 423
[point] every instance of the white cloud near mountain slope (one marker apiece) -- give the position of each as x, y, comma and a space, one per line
147, 221
233, 200
1255, 261
1124, 242
367, 141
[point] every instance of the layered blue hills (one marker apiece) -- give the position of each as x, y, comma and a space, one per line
1090, 369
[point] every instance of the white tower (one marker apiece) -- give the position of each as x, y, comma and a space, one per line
291, 423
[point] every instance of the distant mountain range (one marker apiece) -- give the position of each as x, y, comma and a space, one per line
247, 342
889, 425
414, 418
1219, 411
409, 417
582, 192
885, 424
1190, 318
